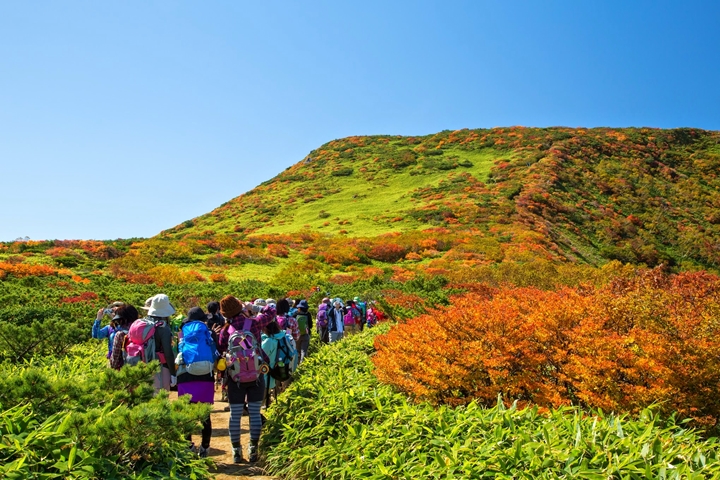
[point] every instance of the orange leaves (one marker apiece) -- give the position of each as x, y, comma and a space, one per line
651, 338
25, 270
218, 278
278, 250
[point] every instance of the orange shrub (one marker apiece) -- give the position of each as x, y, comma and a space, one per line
24, 270
218, 278
387, 252
278, 250
652, 338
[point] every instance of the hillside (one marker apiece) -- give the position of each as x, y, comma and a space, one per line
588, 195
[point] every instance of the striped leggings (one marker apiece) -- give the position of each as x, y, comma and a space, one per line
236, 411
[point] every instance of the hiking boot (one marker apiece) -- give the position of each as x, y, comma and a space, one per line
203, 452
253, 451
237, 455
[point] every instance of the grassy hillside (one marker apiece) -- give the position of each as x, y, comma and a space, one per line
635, 195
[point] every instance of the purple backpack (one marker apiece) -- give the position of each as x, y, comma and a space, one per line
322, 319
243, 357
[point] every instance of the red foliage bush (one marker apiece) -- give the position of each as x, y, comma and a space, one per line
83, 297
652, 338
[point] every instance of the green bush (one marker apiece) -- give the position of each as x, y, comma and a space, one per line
337, 421
72, 417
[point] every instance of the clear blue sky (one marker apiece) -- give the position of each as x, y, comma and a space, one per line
121, 119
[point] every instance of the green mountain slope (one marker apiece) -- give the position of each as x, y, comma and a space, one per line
637, 195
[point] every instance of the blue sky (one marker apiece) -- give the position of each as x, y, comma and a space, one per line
122, 119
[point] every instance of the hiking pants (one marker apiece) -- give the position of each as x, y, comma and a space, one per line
323, 332
162, 380
303, 345
335, 336
206, 433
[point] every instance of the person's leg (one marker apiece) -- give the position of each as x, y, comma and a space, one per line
236, 398
255, 429
255, 397
236, 410
304, 345
206, 435
162, 380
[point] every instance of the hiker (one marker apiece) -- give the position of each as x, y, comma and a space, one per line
350, 318
371, 317
251, 392
124, 317
322, 320
159, 310
290, 327
107, 330
285, 321
362, 308
281, 359
195, 359
293, 307
335, 321
304, 323
214, 320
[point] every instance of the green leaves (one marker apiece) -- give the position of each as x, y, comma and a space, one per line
337, 421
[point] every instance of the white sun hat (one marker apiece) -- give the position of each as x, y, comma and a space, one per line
159, 306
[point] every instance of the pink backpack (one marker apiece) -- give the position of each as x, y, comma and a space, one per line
243, 357
349, 318
141, 342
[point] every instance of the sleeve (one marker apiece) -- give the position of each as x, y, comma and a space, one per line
116, 359
98, 332
310, 323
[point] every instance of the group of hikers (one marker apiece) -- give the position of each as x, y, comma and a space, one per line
248, 349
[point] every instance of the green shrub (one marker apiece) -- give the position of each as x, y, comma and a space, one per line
342, 172
337, 421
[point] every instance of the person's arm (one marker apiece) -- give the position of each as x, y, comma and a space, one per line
310, 322
98, 332
166, 346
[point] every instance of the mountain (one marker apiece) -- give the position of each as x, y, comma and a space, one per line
638, 195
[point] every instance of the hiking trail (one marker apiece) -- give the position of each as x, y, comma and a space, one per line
221, 450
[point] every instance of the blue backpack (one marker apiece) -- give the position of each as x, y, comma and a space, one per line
196, 350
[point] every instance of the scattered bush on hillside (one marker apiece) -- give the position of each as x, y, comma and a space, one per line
342, 172
650, 338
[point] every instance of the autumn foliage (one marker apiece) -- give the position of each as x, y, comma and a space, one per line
652, 338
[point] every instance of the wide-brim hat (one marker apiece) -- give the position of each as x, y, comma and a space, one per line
159, 306
302, 304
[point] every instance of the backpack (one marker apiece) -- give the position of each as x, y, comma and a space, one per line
283, 361
140, 345
196, 349
349, 318
322, 318
303, 321
243, 359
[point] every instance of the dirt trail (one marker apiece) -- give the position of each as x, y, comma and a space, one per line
221, 450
